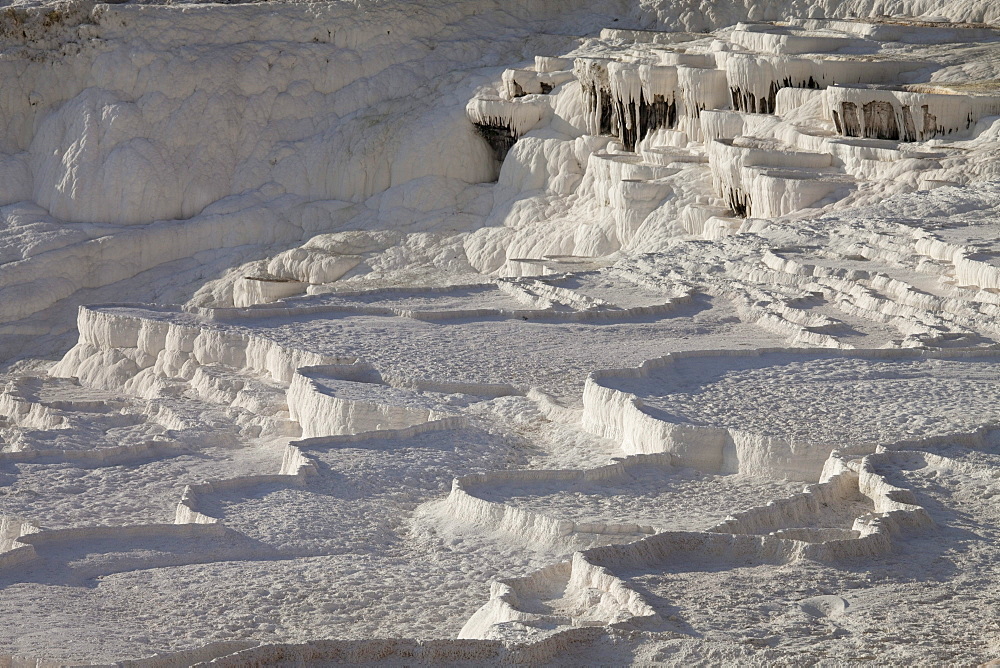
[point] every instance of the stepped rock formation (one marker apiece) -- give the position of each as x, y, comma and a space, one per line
467, 332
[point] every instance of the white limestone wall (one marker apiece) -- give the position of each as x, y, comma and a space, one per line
969, 269
688, 82
916, 32
779, 40
594, 595
755, 78
320, 412
519, 116
311, 264
746, 175
550, 64
517, 83
504, 519
645, 36
778, 192
618, 603
591, 594
897, 507
625, 191
251, 290
120, 348
795, 511
295, 468
18, 408
592, 73
767, 179
728, 124
105, 131
728, 156
401, 435
626, 87
186, 512
541, 163
464, 504
504, 604
544, 295
619, 416
922, 318
11, 530
789, 99
405, 651
702, 88
906, 115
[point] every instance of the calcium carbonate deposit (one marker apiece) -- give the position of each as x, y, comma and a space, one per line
469, 332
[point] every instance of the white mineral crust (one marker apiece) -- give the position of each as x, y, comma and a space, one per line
467, 332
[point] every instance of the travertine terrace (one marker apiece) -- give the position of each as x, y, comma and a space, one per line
473, 332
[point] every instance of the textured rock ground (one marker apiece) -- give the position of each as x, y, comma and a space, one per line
470, 332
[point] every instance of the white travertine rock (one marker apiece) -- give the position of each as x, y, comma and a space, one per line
552, 64
781, 40
759, 178
645, 36
546, 597
518, 83
251, 290
906, 115
295, 468
104, 333
517, 117
788, 99
419, 281
333, 407
311, 265
467, 507
621, 416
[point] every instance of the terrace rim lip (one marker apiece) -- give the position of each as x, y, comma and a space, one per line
942, 89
